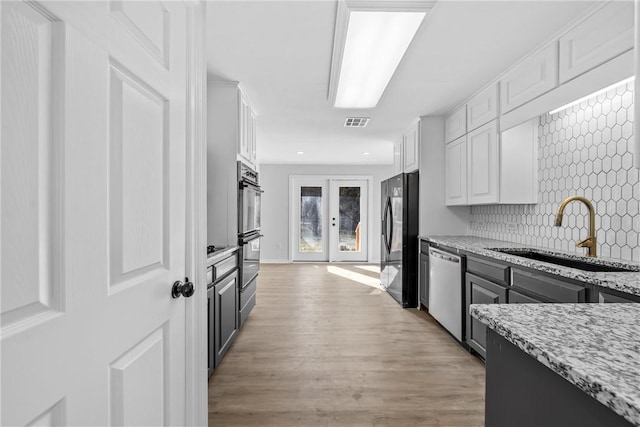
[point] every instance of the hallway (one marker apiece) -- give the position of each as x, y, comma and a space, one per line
326, 347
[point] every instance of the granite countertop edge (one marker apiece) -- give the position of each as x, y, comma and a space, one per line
216, 256
626, 282
618, 402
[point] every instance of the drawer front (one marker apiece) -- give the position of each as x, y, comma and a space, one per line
424, 247
610, 296
244, 313
223, 267
489, 270
516, 297
248, 292
550, 289
209, 275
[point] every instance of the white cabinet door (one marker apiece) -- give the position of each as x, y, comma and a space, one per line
398, 166
603, 36
455, 125
482, 171
411, 149
456, 172
482, 108
535, 76
254, 138
244, 124
93, 212
519, 164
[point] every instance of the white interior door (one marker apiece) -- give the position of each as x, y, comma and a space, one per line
93, 212
310, 211
348, 220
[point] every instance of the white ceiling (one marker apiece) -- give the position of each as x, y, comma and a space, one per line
280, 51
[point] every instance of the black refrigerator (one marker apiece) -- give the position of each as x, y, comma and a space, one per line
399, 244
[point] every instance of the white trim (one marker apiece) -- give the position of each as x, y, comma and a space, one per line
291, 210
196, 387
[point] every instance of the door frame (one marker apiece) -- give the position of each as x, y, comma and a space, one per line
196, 384
292, 198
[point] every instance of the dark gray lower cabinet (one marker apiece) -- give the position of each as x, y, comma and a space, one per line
424, 276
226, 312
480, 291
603, 295
516, 297
520, 391
546, 288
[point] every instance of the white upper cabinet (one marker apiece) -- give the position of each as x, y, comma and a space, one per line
482, 170
482, 108
519, 164
398, 166
246, 130
456, 172
232, 120
604, 35
411, 148
531, 78
455, 125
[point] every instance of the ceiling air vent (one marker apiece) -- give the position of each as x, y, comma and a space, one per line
356, 122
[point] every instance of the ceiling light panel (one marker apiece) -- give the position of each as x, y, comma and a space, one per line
376, 42
371, 39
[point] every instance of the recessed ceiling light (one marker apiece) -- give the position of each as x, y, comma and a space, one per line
300, 152
370, 40
366, 153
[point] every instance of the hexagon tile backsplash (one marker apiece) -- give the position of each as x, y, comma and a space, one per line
584, 150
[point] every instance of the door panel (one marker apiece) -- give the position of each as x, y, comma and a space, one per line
93, 183
31, 290
311, 204
348, 220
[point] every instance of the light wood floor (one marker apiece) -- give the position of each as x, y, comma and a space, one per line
323, 349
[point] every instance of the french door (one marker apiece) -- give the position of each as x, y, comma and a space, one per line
329, 219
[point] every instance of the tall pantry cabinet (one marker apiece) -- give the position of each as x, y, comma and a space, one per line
231, 137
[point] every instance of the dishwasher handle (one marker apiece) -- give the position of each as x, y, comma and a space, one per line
444, 255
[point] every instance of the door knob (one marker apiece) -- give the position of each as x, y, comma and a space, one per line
185, 289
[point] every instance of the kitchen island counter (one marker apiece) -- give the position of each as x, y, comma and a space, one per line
596, 347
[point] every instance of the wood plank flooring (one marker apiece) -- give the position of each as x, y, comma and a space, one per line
326, 347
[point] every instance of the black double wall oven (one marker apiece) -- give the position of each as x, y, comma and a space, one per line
249, 194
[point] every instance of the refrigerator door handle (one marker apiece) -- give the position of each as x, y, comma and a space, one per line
390, 228
388, 233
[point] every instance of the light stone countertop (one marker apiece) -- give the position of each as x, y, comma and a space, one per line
628, 282
220, 254
596, 347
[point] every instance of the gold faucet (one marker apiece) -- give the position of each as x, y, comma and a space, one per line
590, 241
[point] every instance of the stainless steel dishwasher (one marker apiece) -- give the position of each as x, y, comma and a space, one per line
445, 290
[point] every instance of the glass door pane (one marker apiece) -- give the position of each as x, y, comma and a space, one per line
310, 232
349, 230
348, 220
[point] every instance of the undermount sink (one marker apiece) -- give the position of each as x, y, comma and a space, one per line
559, 259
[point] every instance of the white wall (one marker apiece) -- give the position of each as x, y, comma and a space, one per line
274, 180
435, 217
